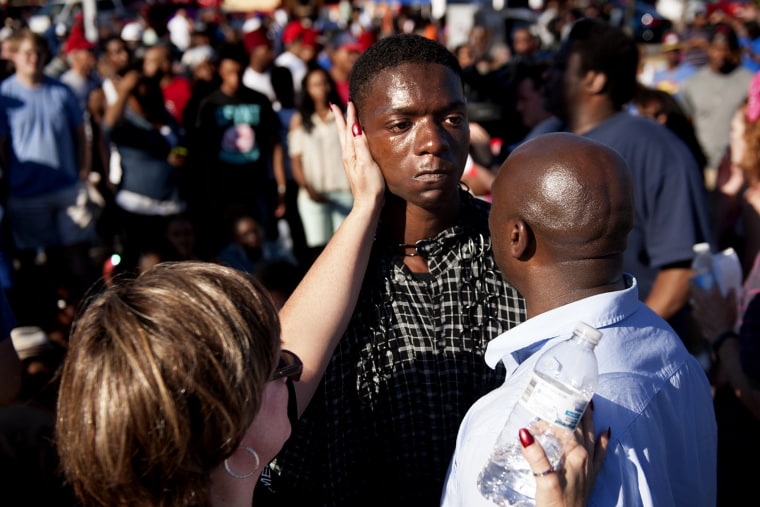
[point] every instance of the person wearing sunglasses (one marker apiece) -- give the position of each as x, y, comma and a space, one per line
175, 391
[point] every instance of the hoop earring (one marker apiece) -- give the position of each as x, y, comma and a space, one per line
236, 475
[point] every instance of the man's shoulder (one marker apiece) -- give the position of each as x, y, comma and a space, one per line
52, 82
743, 74
214, 98
696, 79
285, 58
641, 140
281, 70
252, 96
625, 127
8, 83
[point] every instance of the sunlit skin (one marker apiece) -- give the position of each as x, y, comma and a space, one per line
416, 126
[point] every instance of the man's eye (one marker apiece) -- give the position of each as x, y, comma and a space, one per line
455, 120
399, 126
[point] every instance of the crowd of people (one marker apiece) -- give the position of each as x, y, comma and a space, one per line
423, 216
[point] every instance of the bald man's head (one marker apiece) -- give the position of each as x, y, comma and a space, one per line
573, 194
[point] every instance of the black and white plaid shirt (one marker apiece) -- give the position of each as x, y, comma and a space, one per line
383, 424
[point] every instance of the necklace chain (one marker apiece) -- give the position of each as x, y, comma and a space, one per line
407, 245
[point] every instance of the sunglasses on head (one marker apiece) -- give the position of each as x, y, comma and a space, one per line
289, 366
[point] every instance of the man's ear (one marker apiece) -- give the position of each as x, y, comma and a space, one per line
520, 240
595, 82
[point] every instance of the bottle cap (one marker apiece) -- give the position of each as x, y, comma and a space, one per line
701, 248
587, 332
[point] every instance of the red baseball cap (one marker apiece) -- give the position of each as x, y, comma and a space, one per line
292, 31
256, 38
77, 41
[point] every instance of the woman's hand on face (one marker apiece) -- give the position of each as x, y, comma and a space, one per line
583, 456
364, 175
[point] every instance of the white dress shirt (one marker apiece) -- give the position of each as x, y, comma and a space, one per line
652, 393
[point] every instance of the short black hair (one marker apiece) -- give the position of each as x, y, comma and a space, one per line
234, 51
605, 48
392, 51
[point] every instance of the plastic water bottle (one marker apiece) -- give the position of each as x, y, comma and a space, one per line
702, 266
563, 382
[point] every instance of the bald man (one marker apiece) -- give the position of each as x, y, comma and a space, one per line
562, 210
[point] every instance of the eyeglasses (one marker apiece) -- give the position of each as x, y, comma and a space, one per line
289, 366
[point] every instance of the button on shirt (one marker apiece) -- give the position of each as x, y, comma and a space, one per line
652, 393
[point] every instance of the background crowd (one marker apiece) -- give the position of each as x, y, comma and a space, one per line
185, 132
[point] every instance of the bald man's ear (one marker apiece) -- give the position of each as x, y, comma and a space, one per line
520, 240
595, 82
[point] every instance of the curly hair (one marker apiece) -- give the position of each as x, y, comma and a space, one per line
391, 52
164, 375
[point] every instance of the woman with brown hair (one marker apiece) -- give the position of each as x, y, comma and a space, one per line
738, 186
172, 393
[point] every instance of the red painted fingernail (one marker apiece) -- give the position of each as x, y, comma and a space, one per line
526, 438
591, 404
356, 130
329, 104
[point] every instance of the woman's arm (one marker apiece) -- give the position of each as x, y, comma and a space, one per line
317, 313
115, 112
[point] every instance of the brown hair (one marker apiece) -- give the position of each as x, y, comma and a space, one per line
26, 34
164, 375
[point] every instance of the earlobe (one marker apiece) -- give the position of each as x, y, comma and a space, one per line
595, 82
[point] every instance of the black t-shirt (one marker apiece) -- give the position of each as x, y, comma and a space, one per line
236, 138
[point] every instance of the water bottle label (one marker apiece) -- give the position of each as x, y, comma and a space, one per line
705, 280
554, 402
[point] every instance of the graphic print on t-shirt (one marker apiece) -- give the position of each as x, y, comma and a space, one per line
239, 144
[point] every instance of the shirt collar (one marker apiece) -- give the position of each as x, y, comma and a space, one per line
602, 310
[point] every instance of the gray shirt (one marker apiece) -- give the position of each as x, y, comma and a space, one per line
711, 99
